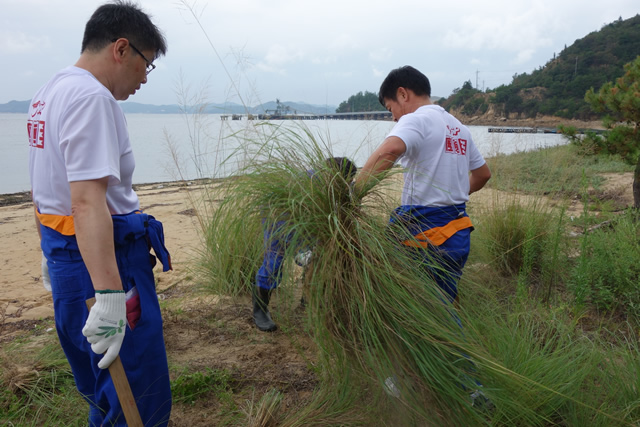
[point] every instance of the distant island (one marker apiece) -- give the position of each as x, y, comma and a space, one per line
224, 108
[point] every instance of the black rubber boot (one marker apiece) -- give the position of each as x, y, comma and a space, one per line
261, 315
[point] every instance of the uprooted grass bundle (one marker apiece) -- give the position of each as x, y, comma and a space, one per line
379, 320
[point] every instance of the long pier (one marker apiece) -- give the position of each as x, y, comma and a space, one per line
366, 115
522, 130
538, 130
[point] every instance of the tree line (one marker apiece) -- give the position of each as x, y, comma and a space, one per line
361, 101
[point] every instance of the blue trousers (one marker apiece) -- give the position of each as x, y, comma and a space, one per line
445, 262
275, 244
143, 353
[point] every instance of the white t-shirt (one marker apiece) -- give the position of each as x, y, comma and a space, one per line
78, 132
440, 153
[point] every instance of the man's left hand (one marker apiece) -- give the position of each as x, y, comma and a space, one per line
46, 279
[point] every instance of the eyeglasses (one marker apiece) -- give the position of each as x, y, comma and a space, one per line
150, 65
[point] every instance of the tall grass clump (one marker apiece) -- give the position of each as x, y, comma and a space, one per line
266, 412
233, 246
615, 383
373, 309
533, 347
624, 378
524, 238
512, 236
37, 386
591, 381
606, 271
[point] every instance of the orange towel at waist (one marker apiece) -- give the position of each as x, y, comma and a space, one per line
438, 235
60, 223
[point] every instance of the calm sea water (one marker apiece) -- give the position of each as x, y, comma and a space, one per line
173, 146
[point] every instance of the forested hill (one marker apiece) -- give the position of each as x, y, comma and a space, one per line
558, 88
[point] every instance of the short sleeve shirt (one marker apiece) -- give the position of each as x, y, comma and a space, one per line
440, 153
78, 132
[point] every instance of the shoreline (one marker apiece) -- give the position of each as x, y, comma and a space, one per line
20, 197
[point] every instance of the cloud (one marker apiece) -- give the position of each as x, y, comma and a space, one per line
339, 74
380, 55
344, 42
510, 30
319, 60
377, 73
277, 57
523, 56
16, 42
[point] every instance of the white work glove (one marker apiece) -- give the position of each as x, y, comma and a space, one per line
46, 280
303, 258
106, 324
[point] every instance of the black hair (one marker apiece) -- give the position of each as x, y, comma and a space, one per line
406, 77
346, 167
122, 19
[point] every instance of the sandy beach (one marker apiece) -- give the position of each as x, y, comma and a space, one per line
23, 297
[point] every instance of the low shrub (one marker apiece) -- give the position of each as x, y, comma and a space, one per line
606, 273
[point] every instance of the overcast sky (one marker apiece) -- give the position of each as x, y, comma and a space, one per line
319, 52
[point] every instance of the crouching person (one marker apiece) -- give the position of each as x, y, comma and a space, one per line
276, 242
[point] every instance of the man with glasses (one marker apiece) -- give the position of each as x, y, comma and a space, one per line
94, 237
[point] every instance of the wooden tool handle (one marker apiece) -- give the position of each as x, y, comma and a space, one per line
123, 390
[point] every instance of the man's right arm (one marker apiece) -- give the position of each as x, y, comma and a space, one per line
382, 159
478, 178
